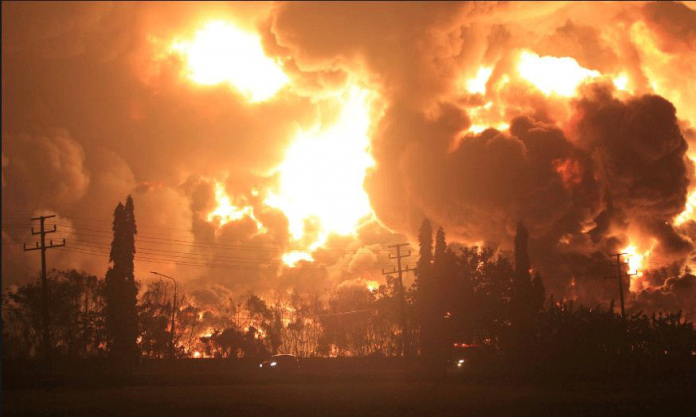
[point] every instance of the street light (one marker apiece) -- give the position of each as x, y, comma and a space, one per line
173, 310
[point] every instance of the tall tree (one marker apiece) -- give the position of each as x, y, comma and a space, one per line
440, 247
528, 293
441, 271
425, 290
121, 290
522, 303
425, 240
440, 304
154, 314
522, 279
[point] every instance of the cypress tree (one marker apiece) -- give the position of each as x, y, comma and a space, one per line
425, 287
121, 290
425, 240
441, 295
522, 278
523, 303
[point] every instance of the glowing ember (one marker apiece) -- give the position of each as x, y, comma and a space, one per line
478, 83
225, 212
553, 75
197, 354
323, 172
291, 258
219, 52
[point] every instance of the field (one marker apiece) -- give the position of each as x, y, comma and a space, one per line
209, 388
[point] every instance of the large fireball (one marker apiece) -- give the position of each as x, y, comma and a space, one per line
323, 172
219, 52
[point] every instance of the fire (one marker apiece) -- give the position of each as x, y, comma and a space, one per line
477, 128
323, 172
621, 82
291, 258
225, 212
197, 354
221, 53
553, 75
636, 261
670, 76
478, 83
688, 212
485, 117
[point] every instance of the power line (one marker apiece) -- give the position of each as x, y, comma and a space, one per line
201, 257
341, 313
103, 233
259, 267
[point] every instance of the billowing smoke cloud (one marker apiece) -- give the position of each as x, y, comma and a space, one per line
95, 107
59, 181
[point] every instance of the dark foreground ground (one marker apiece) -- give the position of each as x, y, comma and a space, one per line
376, 398
340, 389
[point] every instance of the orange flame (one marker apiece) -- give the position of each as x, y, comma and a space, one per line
226, 212
323, 172
293, 257
553, 75
637, 261
221, 53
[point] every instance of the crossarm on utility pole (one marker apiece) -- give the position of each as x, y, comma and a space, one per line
45, 296
402, 293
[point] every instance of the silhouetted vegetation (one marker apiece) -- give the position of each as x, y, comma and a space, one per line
120, 290
77, 316
462, 296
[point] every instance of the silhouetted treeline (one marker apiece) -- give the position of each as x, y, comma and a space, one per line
461, 296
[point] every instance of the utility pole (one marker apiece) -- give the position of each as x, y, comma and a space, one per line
402, 294
45, 311
171, 342
620, 276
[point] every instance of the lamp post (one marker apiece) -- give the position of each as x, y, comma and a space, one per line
171, 343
